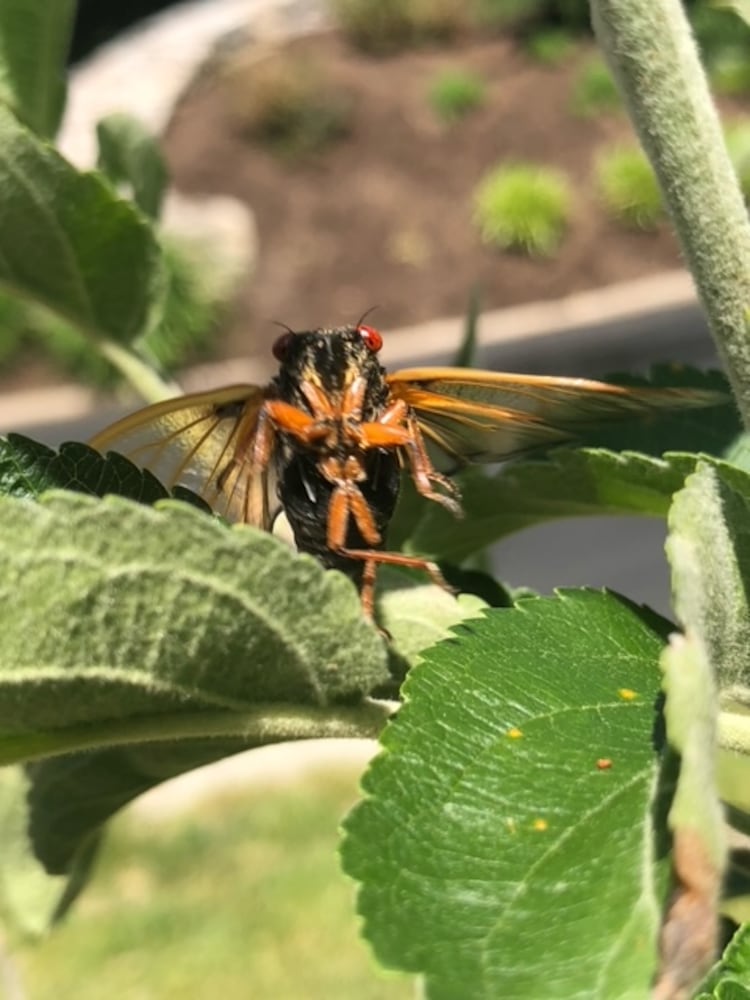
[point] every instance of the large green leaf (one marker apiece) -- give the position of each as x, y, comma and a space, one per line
34, 40
507, 846
121, 622
69, 243
168, 636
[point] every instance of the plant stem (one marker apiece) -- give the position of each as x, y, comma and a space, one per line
151, 386
651, 51
258, 726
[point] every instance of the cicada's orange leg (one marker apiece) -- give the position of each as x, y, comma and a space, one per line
373, 558
397, 428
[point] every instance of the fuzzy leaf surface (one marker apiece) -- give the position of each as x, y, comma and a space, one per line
517, 777
730, 978
709, 550
160, 639
69, 243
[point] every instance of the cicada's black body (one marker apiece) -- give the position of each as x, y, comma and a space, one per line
331, 360
306, 496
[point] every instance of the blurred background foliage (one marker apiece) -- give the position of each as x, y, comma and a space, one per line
294, 110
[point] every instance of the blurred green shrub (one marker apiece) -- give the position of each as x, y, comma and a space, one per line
628, 187
551, 46
594, 90
523, 207
455, 94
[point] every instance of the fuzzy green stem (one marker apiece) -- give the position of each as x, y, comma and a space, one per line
651, 51
147, 382
258, 726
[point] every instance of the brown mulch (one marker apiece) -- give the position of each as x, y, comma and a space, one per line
383, 217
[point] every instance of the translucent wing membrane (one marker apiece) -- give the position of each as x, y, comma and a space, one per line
205, 442
476, 416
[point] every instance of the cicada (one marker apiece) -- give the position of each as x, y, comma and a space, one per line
327, 439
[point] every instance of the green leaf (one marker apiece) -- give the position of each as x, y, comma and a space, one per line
709, 429
29, 897
129, 154
34, 40
416, 613
730, 978
166, 633
28, 469
69, 243
515, 787
573, 483
740, 7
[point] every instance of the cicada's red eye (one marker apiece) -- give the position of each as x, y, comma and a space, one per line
282, 344
372, 337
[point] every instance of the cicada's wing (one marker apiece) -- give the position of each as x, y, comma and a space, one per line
478, 416
203, 441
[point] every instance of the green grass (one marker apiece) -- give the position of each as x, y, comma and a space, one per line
456, 93
242, 899
551, 46
628, 187
523, 207
594, 90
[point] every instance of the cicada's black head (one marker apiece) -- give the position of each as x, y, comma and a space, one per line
331, 360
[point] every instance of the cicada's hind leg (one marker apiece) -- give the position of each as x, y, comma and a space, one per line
373, 558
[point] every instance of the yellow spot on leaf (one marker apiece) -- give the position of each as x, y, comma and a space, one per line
540, 825
627, 695
515, 734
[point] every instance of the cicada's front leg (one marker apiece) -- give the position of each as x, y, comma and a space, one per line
397, 427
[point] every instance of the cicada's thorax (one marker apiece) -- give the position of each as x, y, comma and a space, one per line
333, 376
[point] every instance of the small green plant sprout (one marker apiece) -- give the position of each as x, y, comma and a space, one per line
737, 138
523, 207
551, 46
286, 103
594, 90
628, 187
455, 93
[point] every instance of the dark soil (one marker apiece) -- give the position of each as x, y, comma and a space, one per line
383, 217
